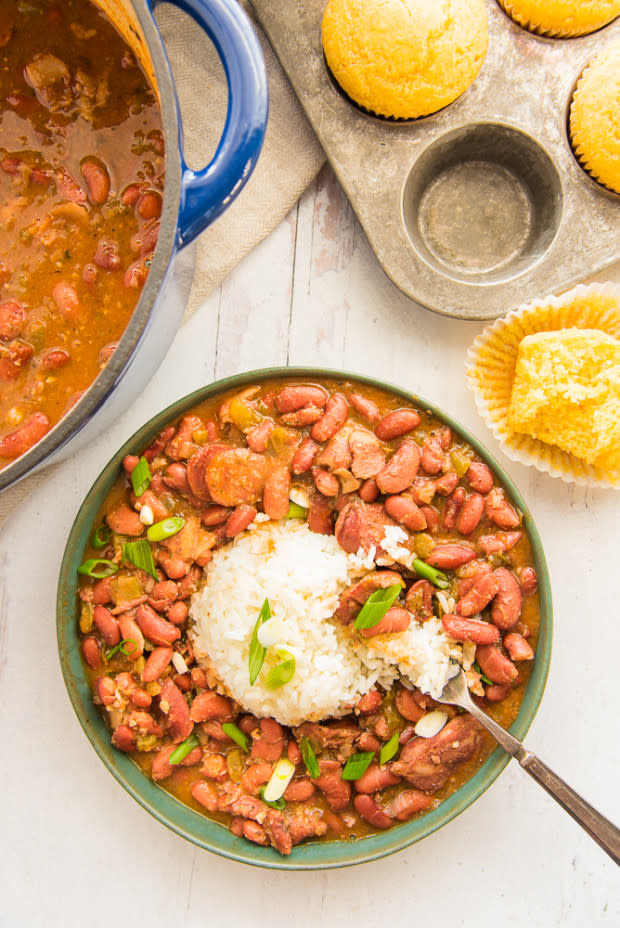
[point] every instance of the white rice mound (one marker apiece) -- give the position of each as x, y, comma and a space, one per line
303, 575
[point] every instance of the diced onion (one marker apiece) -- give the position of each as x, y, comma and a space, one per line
431, 723
179, 662
299, 496
146, 515
279, 780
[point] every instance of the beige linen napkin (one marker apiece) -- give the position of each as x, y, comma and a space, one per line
290, 159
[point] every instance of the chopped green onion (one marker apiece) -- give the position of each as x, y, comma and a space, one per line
282, 673
279, 780
295, 511
101, 537
476, 666
140, 555
274, 803
257, 651
121, 646
309, 758
376, 606
98, 568
186, 747
165, 529
425, 570
141, 477
356, 765
236, 735
389, 749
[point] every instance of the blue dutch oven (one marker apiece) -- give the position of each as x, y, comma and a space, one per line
192, 200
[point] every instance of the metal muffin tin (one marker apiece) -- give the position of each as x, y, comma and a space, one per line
482, 205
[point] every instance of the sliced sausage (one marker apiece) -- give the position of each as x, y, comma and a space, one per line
235, 476
368, 457
125, 521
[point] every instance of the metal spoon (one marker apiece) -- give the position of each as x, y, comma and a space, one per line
605, 834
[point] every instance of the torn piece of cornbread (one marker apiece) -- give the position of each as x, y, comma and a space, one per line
566, 392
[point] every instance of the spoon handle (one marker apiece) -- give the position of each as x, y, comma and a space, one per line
598, 827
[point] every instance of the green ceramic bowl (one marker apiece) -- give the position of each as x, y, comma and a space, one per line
194, 826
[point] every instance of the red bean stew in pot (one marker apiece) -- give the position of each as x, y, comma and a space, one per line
81, 178
347, 461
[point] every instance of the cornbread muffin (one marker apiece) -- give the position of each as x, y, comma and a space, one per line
562, 18
404, 58
566, 392
595, 118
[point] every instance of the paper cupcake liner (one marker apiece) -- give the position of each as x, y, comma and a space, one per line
490, 369
557, 31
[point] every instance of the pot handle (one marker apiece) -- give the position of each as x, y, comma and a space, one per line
205, 194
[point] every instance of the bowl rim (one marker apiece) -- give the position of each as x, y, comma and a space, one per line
180, 818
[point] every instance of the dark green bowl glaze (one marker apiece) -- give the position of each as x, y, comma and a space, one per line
194, 826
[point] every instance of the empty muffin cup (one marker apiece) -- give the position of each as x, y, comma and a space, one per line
482, 203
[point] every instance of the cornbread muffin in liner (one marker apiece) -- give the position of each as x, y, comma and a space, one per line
561, 19
491, 363
594, 122
403, 59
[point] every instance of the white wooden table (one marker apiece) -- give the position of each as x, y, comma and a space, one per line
77, 850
